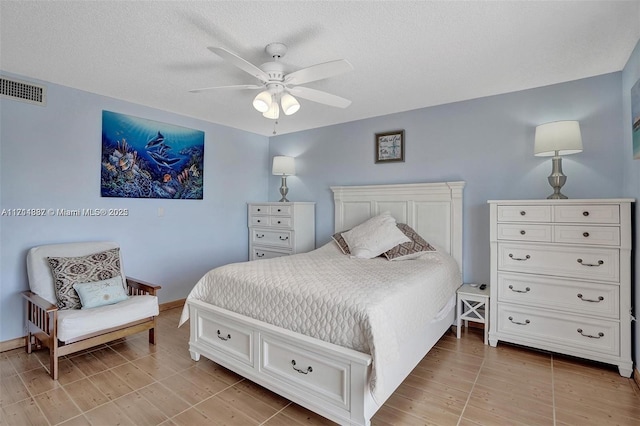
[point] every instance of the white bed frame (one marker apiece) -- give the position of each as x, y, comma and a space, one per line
285, 362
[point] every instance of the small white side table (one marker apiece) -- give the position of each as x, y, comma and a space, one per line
473, 305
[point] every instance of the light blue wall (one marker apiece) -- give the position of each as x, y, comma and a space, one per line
630, 75
486, 142
50, 158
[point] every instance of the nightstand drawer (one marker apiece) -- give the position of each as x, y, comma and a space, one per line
271, 237
585, 213
524, 232
580, 297
524, 213
553, 328
565, 261
582, 234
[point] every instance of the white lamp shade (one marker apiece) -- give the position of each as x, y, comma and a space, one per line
562, 137
262, 101
290, 105
283, 165
273, 112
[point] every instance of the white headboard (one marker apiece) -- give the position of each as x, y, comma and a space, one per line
434, 210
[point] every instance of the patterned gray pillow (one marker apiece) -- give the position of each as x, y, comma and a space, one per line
410, 250
337, 237
68, 271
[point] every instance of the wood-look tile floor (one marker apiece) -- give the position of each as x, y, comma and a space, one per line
460, 382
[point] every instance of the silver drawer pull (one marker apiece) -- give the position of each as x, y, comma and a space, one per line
585, 234
259, 254
527, 257
523, 232
259, 235
526, 322
600, 299
283, 239
590, 336
222, 337
307, 371
526, 290
522, 213
600, 262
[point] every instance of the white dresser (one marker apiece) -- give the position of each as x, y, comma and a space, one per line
281, 229
561, 277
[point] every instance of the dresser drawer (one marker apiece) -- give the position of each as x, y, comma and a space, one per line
560, 329
259, 220
280, 210
302, 369
584, 234
524, 232
259, 209
225, 335
591, 299
271, 237
587, 213
524, 213
566, 261
282, 221
266, 253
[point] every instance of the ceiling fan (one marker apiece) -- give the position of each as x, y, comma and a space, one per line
278, 86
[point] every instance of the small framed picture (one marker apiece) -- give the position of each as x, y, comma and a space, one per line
390, 146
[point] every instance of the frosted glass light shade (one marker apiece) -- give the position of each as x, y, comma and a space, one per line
290, 105
273, 112
283, 166
262, 101
561, 136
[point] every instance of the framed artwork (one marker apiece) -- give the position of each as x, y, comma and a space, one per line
390, 146
147, 159
635, 119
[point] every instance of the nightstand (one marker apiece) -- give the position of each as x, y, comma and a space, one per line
473, 305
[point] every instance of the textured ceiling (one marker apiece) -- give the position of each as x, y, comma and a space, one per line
406, 55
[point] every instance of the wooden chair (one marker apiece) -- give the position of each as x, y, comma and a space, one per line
65, 331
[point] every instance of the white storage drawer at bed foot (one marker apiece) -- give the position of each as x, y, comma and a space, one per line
554, 328
262, 253
548, 292
271, 237
302, 369
568, 261
231, 338
587, 213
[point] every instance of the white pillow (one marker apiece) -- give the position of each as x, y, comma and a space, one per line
374, 236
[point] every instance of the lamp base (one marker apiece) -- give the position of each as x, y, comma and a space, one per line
284, 190
557, 179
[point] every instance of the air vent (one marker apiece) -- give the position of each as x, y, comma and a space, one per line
23, 91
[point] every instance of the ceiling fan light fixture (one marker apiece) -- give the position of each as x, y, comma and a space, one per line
273, 112
290, 105
262, 102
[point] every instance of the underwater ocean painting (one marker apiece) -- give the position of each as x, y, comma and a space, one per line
147, 159
635, 118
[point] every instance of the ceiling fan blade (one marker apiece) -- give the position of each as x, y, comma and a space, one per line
319, 96
319, 72
240, 63
237, 86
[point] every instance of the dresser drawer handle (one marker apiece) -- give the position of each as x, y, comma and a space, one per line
600, 299
283, 239
590, 336
600, 262
279, 222
585, 214
526, 322
259, 254
258, 221
279, 210
259, 235
258, 210
527, 257
222, 337
526, 290
585, 234
522, 213
523, 232
307, 371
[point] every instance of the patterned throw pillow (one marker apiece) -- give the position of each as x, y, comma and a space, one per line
339, 239
411, 250
68, 271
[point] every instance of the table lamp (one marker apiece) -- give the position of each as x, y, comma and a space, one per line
283, 166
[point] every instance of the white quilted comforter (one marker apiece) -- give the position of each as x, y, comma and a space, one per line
369, 305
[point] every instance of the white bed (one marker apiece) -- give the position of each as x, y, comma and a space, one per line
335, 379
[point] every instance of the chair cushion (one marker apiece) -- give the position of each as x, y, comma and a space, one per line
81, 269
100, 293
74, 323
